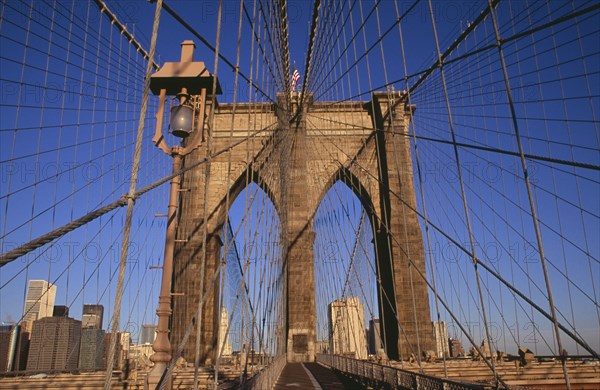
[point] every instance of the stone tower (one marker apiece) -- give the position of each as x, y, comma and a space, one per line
296, 160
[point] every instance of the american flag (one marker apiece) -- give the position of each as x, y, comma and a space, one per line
295, 78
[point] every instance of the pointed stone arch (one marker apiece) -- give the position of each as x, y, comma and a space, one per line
363, 144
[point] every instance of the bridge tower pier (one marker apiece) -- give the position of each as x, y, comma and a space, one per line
400, 258
298, 237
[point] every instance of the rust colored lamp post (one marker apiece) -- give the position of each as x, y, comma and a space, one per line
191, 83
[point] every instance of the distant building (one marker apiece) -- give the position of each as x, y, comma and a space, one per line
374, 336
39, 302
122, 350
347, 335
141, 354
106, 345
224, 335
60, 311
54, 344
118, 362
125, 338
148, 334
456, 348
6, 332
14, 346
91, 349
322, 346
92, 316
440, 333
92, 338
19, 362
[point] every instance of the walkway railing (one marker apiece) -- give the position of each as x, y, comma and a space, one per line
268, 377
397, 378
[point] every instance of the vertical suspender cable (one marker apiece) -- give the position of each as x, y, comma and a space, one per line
462, 191
130, 202
206, 187
538, 234
419, 175
227, 205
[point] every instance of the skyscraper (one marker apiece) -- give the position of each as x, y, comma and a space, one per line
60, 311
91, 349
223, 335
14, 346
92, 316
39, 302
6, 332
347, 328
118, 352
122, 351
440, 333
92, 338
54, 344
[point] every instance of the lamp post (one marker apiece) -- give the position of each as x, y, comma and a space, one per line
189, 82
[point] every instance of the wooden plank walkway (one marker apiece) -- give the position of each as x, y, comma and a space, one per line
309, 376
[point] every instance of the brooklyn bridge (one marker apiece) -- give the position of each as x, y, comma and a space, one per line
264, 194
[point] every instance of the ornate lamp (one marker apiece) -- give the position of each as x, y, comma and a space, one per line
190, 82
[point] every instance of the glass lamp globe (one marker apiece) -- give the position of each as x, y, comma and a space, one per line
182, 121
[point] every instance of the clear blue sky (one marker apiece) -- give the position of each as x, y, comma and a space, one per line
551, 125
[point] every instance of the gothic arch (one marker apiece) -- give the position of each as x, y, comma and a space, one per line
386, 296
345, 176
248, 176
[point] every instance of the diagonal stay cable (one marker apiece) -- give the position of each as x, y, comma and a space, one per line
373, 45
577, 164
481, 17
311, 44
7, 257
484, 265
123, 29
424, 74
185, 24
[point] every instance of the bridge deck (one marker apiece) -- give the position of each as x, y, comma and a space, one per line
309, 376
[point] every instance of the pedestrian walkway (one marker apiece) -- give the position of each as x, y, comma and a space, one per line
308, 376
